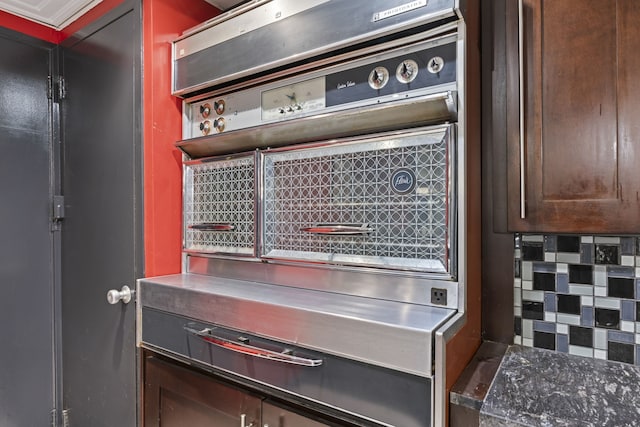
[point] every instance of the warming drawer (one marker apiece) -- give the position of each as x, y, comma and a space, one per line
389, 334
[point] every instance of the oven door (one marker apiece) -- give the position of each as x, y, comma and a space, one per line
219, 205
382, 201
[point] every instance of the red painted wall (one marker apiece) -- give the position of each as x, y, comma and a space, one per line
29, 27
163, 21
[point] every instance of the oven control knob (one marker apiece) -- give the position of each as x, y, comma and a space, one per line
435, 65
219, 106
125, 294
378, 78
205, 127
205, 110
219, 124
407, 71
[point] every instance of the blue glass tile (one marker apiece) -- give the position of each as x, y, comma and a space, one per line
544, 326
550, 243
628, 310
563, 343
544, 267
550, 302
638, 288
617, 271
586, 319
618, 336
562, 283
586, 253
637, 354
628, 245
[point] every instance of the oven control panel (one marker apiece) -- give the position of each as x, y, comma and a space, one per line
420, 69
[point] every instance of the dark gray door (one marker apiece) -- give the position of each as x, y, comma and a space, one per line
101, 237
26, 242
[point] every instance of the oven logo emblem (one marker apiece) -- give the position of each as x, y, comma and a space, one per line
403, 181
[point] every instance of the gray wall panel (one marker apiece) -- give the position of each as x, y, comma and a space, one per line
26, 262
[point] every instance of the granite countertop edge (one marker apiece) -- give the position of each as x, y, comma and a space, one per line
536, 387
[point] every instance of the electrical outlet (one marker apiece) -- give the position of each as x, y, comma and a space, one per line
438, 296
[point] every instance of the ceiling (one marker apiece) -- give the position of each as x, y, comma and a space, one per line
51, 13
60, 13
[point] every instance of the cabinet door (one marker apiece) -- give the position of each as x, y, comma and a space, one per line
275, 416
175, 396
579, 96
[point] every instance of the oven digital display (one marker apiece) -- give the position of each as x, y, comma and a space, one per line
292, 100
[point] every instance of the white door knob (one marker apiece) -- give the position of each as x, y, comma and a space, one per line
125, 294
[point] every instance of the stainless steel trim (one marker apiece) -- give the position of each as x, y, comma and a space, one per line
253, 351
523, 189
345, 229
406, 113
391, 285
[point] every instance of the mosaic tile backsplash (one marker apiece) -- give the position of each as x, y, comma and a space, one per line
579, 295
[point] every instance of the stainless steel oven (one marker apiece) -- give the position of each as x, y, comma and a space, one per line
323, 205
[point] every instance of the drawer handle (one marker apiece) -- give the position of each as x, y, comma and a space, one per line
342, 229
523, 189
283, 356
213, 226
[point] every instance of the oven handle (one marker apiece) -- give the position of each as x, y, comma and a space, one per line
249, 350
342, 229
213, 226
523, 188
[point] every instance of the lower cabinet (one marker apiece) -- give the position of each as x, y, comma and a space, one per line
177, 396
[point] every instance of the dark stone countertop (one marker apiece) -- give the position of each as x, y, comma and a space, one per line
535, 387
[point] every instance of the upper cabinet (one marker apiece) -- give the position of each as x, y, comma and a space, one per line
571, 115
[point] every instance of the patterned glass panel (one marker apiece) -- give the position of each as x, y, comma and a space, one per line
219, 207
379, 202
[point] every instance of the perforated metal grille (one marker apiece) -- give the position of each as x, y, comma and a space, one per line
352, 184
220, 194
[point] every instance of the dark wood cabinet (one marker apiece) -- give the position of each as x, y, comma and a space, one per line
175, 395
577, 167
